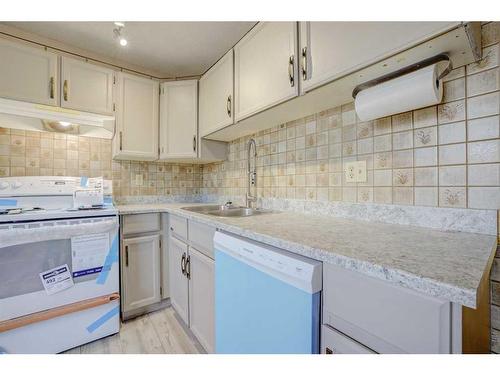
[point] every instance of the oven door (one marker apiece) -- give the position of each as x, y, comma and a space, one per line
87, 247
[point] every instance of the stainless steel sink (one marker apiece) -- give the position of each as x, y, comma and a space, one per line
226, 211
209, 207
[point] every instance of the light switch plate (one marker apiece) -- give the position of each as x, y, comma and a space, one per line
355, 171
360, 171
138, 179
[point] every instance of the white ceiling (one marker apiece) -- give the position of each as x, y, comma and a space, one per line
173, 49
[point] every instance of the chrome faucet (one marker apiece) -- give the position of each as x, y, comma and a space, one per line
251, 172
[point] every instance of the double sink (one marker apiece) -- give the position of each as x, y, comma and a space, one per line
226, 210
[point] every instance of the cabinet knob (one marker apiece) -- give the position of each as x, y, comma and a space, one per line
65, 90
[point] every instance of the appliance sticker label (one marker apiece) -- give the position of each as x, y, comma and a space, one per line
56, 279
88, 253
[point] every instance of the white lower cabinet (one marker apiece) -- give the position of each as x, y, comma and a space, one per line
202, 298
192, 279
384, 317
141, 272
177, 255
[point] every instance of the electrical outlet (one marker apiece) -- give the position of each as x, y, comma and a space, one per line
138, 179
355, 171
350, 172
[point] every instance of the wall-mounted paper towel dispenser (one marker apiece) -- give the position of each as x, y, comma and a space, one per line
416, 86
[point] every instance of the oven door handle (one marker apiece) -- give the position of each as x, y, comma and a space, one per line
21, 321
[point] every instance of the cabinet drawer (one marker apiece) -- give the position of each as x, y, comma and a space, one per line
335, 342
201, 237
141, 223
384, 317
178, 227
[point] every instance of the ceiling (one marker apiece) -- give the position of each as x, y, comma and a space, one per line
173, 49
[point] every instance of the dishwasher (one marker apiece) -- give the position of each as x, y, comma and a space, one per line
267, 300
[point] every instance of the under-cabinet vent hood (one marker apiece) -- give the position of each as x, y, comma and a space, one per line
38, 117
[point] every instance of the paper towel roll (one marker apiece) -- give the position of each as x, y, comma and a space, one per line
414, 90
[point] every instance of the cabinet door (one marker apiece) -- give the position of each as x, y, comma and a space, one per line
265, 67
330, 50
141, 271
179, 119
136, 135
216, 96
86, 87
177, 251
202, 298
28, 73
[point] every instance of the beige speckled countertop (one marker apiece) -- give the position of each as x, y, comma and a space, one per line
449, 265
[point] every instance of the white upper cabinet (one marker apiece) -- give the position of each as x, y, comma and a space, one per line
136, 135
28, 73
179, 119
265, 66
216, 96
86, 87
330, 50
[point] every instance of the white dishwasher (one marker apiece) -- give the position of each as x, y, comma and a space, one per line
267, 300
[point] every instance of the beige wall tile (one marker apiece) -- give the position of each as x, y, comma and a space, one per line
483, 82
425, 137
483, 128
452, 197
484, 197
484, 174
426, 196
484, 151
425, 117
452, 176
452, 133
452, 154
424, 157
483, 105
427, 176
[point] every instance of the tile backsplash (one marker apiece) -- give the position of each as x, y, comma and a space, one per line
446, 155
32, 153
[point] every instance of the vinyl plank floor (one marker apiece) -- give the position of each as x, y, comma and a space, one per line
159, 332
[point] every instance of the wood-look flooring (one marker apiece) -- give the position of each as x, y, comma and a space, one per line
159, 332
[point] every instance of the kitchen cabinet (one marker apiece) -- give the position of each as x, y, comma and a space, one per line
141, 276
192, 277
330, 50
202, 298
86, 87
28, 73
178, 253
179, 140
216, 96
386, 318
179, 119
265, 67
136, 136
143, 263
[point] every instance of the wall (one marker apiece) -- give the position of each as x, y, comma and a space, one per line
446, 155
31, 153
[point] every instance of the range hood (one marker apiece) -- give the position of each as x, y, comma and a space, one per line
31, 116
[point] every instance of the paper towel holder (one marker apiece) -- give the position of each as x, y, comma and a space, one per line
407, 69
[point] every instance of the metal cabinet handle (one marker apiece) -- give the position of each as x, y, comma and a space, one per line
228, 106
65, 90
172, 229
183, 264
328, 351
304, 63
121, 140
52, 87
194, 143
126, 256
188, 267
291, 75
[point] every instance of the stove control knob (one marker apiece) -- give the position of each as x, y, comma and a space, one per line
4, 185
16, 184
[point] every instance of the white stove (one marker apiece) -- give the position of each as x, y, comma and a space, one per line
53, 197
59, 273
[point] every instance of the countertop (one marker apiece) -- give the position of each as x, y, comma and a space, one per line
449, 265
